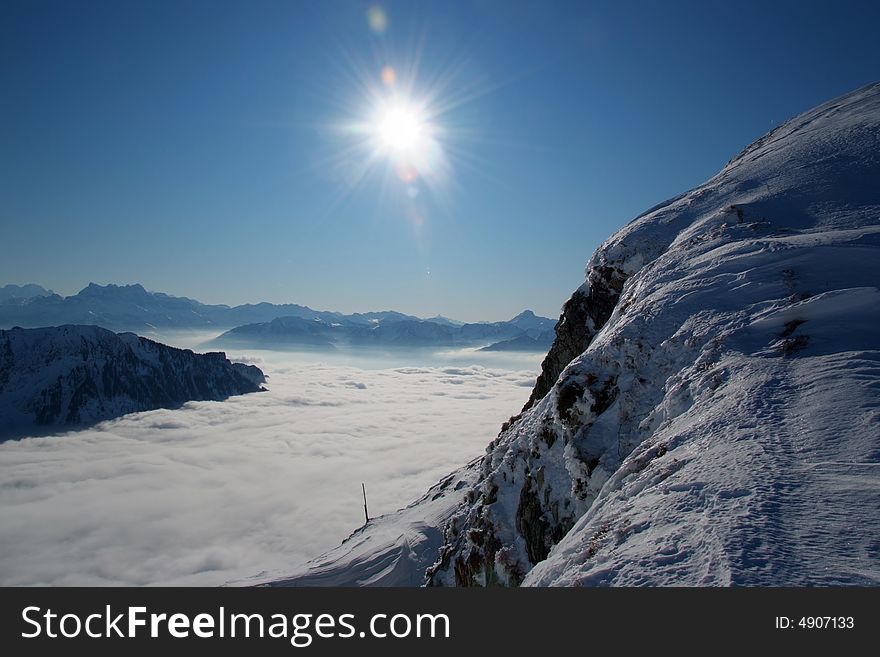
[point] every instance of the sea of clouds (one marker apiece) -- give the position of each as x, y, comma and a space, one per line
219, 491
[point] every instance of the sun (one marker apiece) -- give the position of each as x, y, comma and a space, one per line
403, 130
400, 129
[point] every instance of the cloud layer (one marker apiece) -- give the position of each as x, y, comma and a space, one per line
217, 491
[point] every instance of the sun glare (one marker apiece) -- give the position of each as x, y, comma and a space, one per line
401, 123
400, 129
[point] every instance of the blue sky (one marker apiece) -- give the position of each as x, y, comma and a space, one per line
208, 149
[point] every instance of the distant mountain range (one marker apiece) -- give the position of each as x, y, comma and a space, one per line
22, 292
132, 308
68, 376
525, 332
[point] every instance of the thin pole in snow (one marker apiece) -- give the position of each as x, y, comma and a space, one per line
366, 513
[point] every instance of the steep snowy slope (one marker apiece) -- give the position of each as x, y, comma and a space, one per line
392, 550
62, 376
709, 412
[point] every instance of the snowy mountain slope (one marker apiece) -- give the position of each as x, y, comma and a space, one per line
769, 479
708, 413
724, 286
391, 550
52, 378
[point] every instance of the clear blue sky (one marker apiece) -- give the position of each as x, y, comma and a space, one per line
201, 147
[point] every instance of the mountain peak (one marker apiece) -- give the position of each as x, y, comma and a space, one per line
93, 289
529, 321
442, 319
26, 291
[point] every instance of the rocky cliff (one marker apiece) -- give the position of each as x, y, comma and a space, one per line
58, 377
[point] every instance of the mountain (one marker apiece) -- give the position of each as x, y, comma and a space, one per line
281, 333
440, 319
67, 376
131, 307
21, 292
524, 343
387, 332
407, 333
534, 325
708, 413
537, 334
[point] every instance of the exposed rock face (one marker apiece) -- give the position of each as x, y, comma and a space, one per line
65, 376
582, 316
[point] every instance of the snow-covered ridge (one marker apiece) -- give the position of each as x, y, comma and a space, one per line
708, 414
57, 377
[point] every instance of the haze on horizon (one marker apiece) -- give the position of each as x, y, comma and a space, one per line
455, 158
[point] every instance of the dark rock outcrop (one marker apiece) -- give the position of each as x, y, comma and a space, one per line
57, 377
583, 315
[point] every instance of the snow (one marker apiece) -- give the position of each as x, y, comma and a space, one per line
769, 479
723, 426
392, 550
